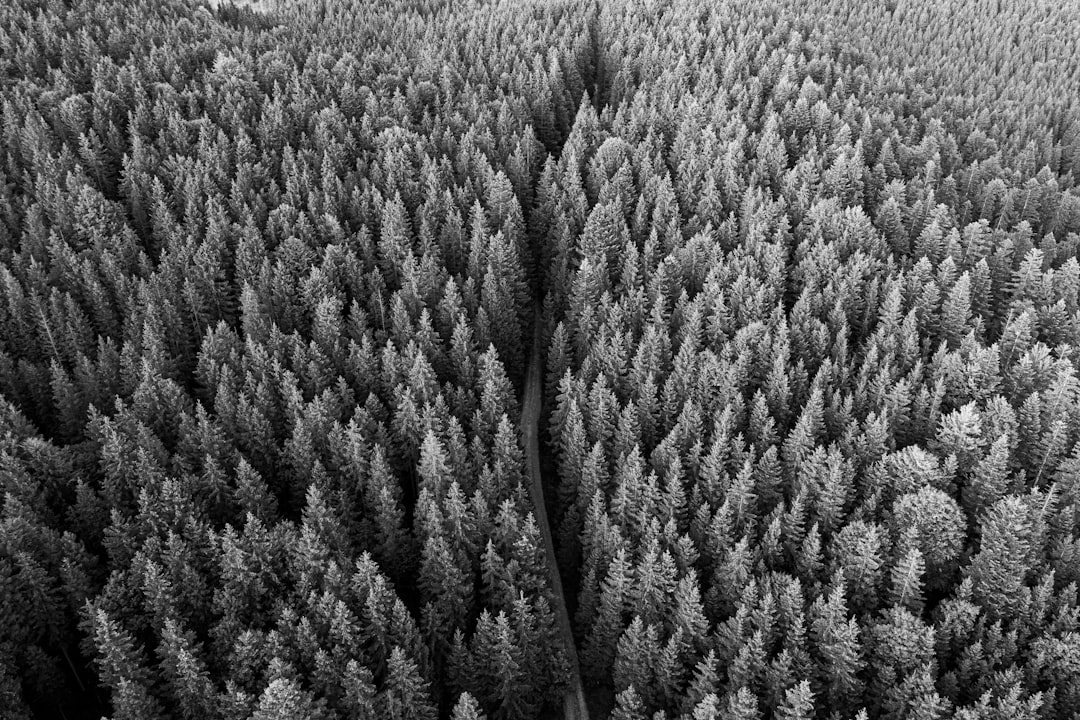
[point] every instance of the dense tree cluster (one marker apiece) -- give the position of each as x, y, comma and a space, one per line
813, 361
807, 287
266, 293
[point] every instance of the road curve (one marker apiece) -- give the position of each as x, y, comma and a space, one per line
574, 700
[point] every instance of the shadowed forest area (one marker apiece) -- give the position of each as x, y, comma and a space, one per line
525, 359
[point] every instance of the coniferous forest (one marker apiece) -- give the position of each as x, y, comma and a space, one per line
526, 359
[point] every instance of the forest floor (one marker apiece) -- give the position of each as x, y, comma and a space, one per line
574, 707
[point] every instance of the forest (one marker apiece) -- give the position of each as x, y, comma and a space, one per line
528, 359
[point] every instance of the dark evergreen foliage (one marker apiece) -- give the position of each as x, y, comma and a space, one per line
805, 283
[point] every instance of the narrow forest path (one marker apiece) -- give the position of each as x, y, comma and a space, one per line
574, 707
574, 704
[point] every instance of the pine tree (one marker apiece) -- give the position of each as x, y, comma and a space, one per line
120, 662
934, 522
989, 480
383, 495
406, 695
741, 705
960, 433
906, 578
359, 692
131, 701
599, 648
838, 648
857, 551
636, 657
708, 708
998, 571
798, 703
628, 706
956, 311
466, 708
187, 673
705, 681
283, 699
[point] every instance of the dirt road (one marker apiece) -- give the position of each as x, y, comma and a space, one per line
574, 700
